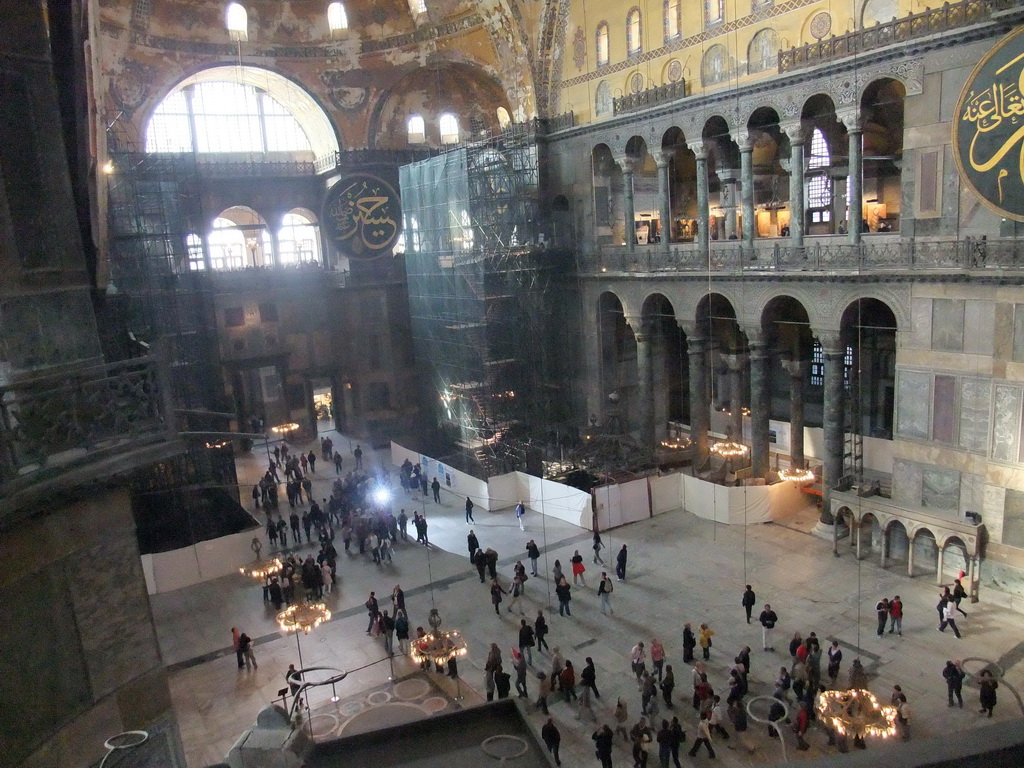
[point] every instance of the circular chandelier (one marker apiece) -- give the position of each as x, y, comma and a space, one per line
282, 428
438, 647
729, 449
676, 444
796, 476
856, 713
303, 617
261, 569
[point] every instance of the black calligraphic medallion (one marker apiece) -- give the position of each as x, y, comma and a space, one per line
988, 128
362, 216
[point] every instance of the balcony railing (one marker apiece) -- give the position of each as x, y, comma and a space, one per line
662, 94
929, 22
65, 420
874, 254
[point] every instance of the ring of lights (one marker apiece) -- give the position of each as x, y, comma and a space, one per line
491, 749
764, 720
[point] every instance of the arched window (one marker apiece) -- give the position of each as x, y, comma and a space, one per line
297, 242
763, 52
228, 117
504, 119
878, 11
237, 20
227, 245
715, 66
337, 19
417, 130
634, 36
602, 44
418, 7
194, 247
819, 181
673, 20
714, 11
449, 125
603, 99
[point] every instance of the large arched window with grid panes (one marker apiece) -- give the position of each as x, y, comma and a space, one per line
416, 129
337, 18
634, 32
714, 11
763, 51
236, 19
449, 125
601, 44
298, 241
673, 19
819, 180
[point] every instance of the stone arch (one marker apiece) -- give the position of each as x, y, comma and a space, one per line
868, 326
956, 557
925, 549
670, 372
896, 541
874, 12
882, 105
246, 243
869, 532
682, 186
617, 345
609, 205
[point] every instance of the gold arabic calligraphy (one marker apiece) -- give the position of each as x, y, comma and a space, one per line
988, 110
362, 211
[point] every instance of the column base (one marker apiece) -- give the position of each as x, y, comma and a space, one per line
827, 532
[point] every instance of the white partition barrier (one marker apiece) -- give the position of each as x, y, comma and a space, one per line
740, 505
608, 507
167, 571
635, 499
666, 493
557, 500
452, 480
506, 491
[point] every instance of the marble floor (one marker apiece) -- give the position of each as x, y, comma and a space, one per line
681, 568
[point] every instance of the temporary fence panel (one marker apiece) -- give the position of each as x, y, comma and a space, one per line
666, 493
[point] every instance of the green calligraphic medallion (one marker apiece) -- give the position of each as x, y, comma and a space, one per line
362, 216
988, 128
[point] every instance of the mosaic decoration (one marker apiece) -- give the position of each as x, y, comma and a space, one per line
988, 129
636, 83
342, 96
131, 87
821, 25
675, 70
579, 48
361, 216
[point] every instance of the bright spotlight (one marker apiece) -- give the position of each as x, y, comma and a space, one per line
382, 495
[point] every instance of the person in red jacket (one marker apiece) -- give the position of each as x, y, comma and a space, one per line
896, 616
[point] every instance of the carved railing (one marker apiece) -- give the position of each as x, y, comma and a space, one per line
874, 254
929, 22
662, 94
80, 416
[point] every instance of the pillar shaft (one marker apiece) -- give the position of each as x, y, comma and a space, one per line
703, 213
645, 406
855, 186
797, 373
747, 192
665, 199
832, 352
700, 408
796, 192
760, 409
630, 212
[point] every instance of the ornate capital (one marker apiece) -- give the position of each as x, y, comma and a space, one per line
851, 118
626, 163
663, 157
795, 368
795, 131
831, 342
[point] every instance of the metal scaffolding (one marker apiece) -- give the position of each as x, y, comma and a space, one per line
479, 270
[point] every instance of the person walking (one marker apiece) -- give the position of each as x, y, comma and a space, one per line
620, 564
519, 665
641, 735
552, 738
245, 645
469, 511
373, 610
664, 739
954, 675
543, 691
236, 644
678, 737
835, 658
402, 631
516, 590
648, 695
944, 599
526, 641
502, 683
959, 593
567, 681
748, 601
604, 591
578, 568
706, 634
703, 738
540, 631
987, 695
689, 643
496, 593
603, 738
668, 685
520, 511
435, 486
597, 546
949, 619
716, 717
588, 677
896, 616
357, 454
657, 657
621, 716
800, 725
387, 628
533, 552
473, 545
768, 618
564, 594
882, 611
637, 660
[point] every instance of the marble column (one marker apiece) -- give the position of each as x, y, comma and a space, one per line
855, 184
700, 407
833, 354
797, 370
703, 213
644, 371
728, 201
736, 365
629, 215
747, 192
760, 404
663, 160
796, 186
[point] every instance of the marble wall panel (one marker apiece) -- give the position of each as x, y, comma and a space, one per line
1013, 518
975, 404
1006, 422
980, 317
992, 511
906, 482
1018, 332
920, 336
913, 390
972, 492
940, 489
944, 409
948, 325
